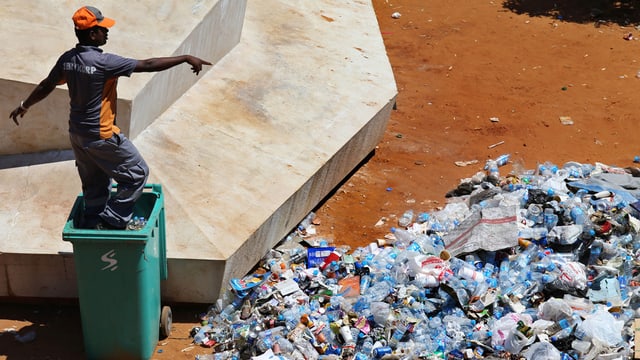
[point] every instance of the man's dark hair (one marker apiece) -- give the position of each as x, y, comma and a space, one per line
83, 35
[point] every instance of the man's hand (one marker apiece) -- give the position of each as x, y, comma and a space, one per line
44, 88
196, 64
20, 110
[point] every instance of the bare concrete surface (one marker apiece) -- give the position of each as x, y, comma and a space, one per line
242, 156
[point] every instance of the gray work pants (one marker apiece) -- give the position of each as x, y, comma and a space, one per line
101, 161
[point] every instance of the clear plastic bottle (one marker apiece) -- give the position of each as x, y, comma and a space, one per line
406, 219
367, 346
567, 330
525, 257
488, 270
502, 159
429, 244
595, 251
537, 235
469, 272
481, 289
459, 322
459, 287
423, 217
550, 219
403, 237
264, 343
379, 291
228, 312
574, 169
480, 332
273, 332
306, 348
627, 266
425, 280
360, 356
398, 332
504, 277
307, 221
547, 169
365, 282
136, 223
202, 335
535, 214
603, 205
492, 168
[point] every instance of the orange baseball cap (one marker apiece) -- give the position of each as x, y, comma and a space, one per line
88, 16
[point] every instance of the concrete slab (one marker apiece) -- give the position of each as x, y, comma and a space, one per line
243, 155
144, 29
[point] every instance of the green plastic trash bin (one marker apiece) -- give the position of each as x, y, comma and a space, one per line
119, 273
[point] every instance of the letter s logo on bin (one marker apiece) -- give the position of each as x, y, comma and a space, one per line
112, 264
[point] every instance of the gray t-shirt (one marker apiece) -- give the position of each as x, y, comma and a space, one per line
92, 78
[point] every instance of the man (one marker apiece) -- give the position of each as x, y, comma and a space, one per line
101, 151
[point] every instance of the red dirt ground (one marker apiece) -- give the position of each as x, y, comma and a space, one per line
457, 65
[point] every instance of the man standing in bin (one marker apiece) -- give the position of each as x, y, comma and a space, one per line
102, 152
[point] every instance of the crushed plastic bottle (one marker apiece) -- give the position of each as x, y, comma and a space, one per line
492, 164
406, 219
26, 337
136, 223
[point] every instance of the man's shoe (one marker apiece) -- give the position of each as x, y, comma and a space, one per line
88, 222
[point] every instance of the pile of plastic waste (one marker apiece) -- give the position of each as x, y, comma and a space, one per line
537, 264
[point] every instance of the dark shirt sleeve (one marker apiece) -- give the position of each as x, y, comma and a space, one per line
57, 74
116, 66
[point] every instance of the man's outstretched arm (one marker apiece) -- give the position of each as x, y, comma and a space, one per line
164, 63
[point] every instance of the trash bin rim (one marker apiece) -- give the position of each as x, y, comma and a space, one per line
70, 233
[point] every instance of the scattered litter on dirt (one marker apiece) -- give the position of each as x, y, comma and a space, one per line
496, 144
466, 163
566, 120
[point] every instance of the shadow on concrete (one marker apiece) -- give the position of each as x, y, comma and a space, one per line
20, 160
580, 11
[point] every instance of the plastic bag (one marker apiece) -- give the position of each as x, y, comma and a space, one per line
579, 305
491, 229
380, 311
602, 328
429, 265
516, 341
501, 330
573, 276
554, 309
543, 351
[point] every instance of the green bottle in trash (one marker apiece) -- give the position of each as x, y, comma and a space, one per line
118, 275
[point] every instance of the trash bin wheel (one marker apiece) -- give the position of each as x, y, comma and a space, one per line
166, 319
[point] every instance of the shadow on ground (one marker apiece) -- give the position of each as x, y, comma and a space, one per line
598, 12
53, 330
40, 331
